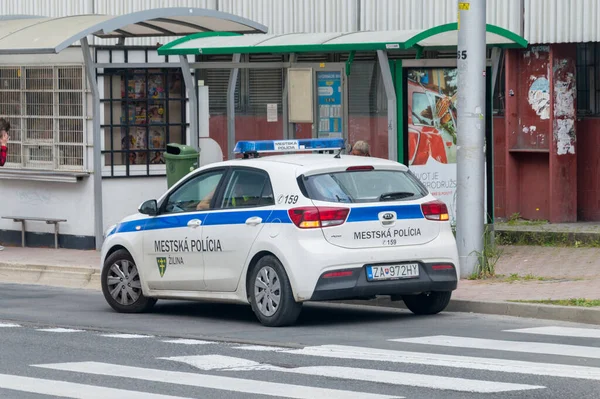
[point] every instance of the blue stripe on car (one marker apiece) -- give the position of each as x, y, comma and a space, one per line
371, 213
359, 214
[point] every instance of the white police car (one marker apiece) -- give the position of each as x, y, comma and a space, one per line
280, 230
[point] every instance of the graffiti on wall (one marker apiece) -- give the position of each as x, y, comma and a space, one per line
539, 96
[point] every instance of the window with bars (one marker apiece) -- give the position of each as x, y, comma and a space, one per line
144, 110
45, 106
588, 92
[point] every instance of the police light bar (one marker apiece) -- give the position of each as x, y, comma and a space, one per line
244, 147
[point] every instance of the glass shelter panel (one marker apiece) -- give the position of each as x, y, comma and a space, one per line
367, 107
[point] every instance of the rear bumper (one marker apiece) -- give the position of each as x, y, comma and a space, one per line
357, 285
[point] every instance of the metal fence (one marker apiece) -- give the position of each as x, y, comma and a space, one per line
45, 106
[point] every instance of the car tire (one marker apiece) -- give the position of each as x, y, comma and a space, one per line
121, 284
264, 294
424, 304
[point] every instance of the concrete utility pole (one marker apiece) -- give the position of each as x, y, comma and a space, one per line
470, 159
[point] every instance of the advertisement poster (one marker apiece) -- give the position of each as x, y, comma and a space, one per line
329, 87
432, 115
148, 110
432, 131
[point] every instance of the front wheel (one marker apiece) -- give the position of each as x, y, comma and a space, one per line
121, 284
427, 304
271, 295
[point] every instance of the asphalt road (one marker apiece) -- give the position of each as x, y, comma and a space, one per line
60, 343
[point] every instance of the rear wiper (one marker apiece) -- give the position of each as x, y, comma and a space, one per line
395, 195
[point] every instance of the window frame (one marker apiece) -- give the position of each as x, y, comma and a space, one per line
59, 149
110, 128
221, 192
224, 177
305, 187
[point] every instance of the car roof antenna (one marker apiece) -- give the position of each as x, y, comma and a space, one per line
338, 155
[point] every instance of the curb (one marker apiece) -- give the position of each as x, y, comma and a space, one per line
89, 278
572, 314
56, 276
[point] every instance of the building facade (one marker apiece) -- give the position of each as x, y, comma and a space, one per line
544, 113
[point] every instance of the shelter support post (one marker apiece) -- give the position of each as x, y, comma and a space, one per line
470, 157
233, 76
288, 128
496, 64
390, 92
90, 68
191, 92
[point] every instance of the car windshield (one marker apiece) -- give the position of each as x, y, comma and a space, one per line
364, 186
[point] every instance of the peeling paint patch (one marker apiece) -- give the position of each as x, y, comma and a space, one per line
564, 135
539, 97
564, 94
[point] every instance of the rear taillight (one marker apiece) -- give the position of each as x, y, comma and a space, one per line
435, 210
313, 217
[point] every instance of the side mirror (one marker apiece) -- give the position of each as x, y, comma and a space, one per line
149, 207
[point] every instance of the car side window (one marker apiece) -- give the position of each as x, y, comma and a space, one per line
195, 194
248, 188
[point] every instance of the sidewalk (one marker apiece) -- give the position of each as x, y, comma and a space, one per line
523, 273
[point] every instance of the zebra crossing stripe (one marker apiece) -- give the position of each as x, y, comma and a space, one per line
183, 341
72, 390
9, 325
560, 331
540, 348
125, 336
267, 388
227, 363
442, 360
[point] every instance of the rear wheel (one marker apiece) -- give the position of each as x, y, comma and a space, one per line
271, 295
427, 304
121, 284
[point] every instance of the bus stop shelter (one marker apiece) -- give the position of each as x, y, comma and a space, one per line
23, 34
407, 47
312, 101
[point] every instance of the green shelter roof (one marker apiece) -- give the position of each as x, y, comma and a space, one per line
439, 37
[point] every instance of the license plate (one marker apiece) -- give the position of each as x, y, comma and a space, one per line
392, 272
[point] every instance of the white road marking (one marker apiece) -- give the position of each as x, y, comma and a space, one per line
560, 331
262, 348
125, 336
72, 390
507, 346
212, 381
217, 362
227, 363
58, 330
8, 325
187, 341
435, 359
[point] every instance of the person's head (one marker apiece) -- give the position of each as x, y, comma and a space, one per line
361, 148
4, 128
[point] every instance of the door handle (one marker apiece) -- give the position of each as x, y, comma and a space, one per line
194, 223
253, 221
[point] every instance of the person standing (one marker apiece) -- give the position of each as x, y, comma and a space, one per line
4, 128
361, 148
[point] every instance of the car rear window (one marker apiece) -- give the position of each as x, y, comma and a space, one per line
363, 186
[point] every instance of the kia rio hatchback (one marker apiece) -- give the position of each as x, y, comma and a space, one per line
280, 230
